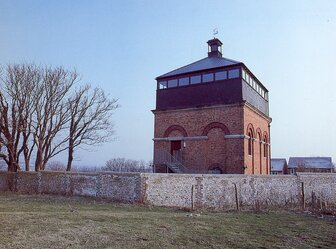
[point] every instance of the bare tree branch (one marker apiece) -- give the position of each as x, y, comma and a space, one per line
90, 119
43, 113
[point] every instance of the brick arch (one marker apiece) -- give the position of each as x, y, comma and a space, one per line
175, 128
250, 143
260, 150
258, 131
265, 137
215, 125
266, 151
250, 129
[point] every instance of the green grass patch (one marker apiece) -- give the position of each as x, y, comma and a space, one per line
60, 222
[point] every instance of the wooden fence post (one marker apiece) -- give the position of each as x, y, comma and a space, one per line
236, 195
303, 196
192, 197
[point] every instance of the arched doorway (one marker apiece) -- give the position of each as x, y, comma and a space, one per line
215, 154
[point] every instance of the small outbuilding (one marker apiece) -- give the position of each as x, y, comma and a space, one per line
279, 166
310, 164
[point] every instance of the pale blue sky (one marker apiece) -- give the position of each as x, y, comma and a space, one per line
122, 46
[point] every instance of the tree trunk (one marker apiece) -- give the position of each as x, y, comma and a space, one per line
12, 165
27, 162
70, 154
38, 161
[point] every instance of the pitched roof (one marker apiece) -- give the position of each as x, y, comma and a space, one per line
206, 63
278, 164
311, 162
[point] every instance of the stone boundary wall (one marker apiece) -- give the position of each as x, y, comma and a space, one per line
217, 192
123, 187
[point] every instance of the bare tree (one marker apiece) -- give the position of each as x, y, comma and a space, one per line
42, 115
26, 95
127, 165
84, 168
16, 94
55, 166
90, 119
52, 114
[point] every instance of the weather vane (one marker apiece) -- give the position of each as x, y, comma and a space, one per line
215, 32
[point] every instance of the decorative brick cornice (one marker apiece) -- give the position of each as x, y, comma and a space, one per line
180, 138
230, 136
198, 108
236, 136
247, 137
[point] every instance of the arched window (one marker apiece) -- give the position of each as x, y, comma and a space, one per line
266, 151
250, 143
260, 144
250, 134
265, 147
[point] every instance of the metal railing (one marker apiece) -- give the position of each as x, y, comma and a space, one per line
174, 162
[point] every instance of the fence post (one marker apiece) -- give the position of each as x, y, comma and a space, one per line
303, 196
39, 182
192, 197
236, 195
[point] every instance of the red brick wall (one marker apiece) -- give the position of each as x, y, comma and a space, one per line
213, 152
257, 163
229, 154
194, 120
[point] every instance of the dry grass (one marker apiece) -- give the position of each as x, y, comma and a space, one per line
58, 222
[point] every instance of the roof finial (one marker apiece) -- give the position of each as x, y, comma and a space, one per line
215, 32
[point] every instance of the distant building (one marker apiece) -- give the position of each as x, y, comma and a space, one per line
211, 116
310, 164
279, 166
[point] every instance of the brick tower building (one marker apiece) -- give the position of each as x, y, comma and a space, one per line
212, 116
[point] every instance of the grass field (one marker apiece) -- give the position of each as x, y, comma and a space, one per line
59, 222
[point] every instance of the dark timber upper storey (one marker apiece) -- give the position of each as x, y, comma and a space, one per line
214, 80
